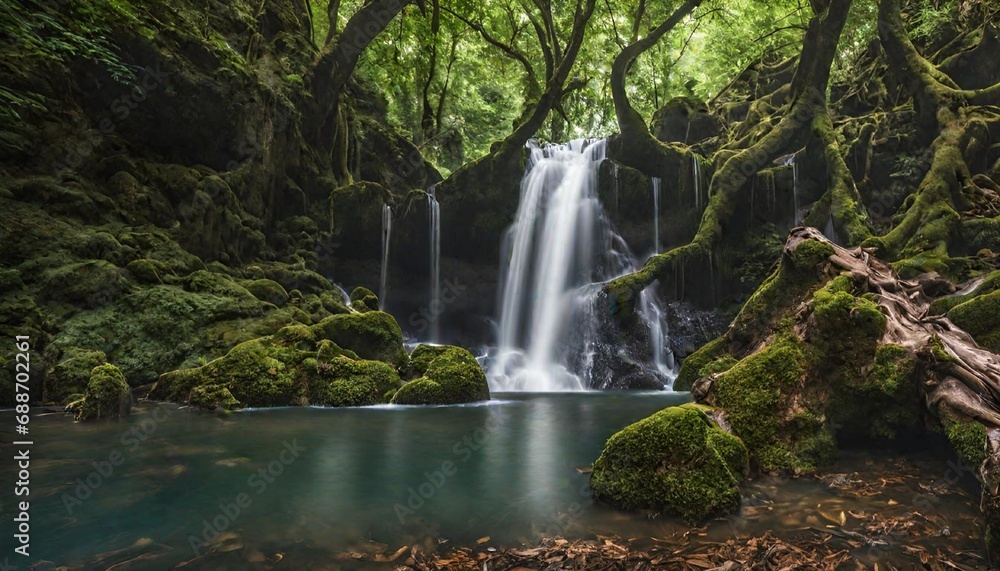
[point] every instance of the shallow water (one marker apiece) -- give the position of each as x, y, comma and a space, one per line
374, 479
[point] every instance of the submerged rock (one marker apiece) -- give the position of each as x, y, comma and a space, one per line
450, 375
108, 395
678, 461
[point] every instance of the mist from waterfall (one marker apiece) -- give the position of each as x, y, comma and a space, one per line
561, 248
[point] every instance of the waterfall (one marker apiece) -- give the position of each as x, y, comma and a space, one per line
554, 316
656, 215
434, 219
696, 170
386, 234
796, 215
830, 231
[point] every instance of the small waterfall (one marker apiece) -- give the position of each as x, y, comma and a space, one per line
830, 231
553, 326
386, 234
656, 214
614, 186
434, 219
345, 297
696, 170
796, 208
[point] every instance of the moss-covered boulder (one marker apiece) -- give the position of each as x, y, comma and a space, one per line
363, 299
71, 374
421, 358
269, 291
453, 376
348, 382
108, 395
213, 397
295, 366
677, 461
373, 335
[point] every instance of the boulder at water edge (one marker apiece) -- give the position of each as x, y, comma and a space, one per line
108, 395
450, 375
678, 461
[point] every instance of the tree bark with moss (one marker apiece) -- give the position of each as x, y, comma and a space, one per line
803, 116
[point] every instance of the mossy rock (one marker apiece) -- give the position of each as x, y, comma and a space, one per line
147, 271
257, 373
156, 329
373, 335
107, 396
453, 376
214, 396
91, 283
269, 291
980, 317
71, 374
347, 382
363, 299
677, 461
421, 358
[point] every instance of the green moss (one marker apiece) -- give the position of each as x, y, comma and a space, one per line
968, 439
269, 291
980, 317
347, 382
421, 358
373, 335
751, 393
676, 461
943, 305
811, 254
108, 395
155, 329
453, 376
148, 271
693, 364
720, 365
71, 374
362, 299
213, 397
90, 283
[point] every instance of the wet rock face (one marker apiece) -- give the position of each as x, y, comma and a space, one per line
685, 120
678, 461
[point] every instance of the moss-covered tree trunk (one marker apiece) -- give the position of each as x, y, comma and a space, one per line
805, 102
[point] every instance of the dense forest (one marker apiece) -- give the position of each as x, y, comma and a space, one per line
701, 259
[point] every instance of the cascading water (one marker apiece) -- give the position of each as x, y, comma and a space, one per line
656, 214
696, 170
434, 219
796, 214
554, 319
386, 234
